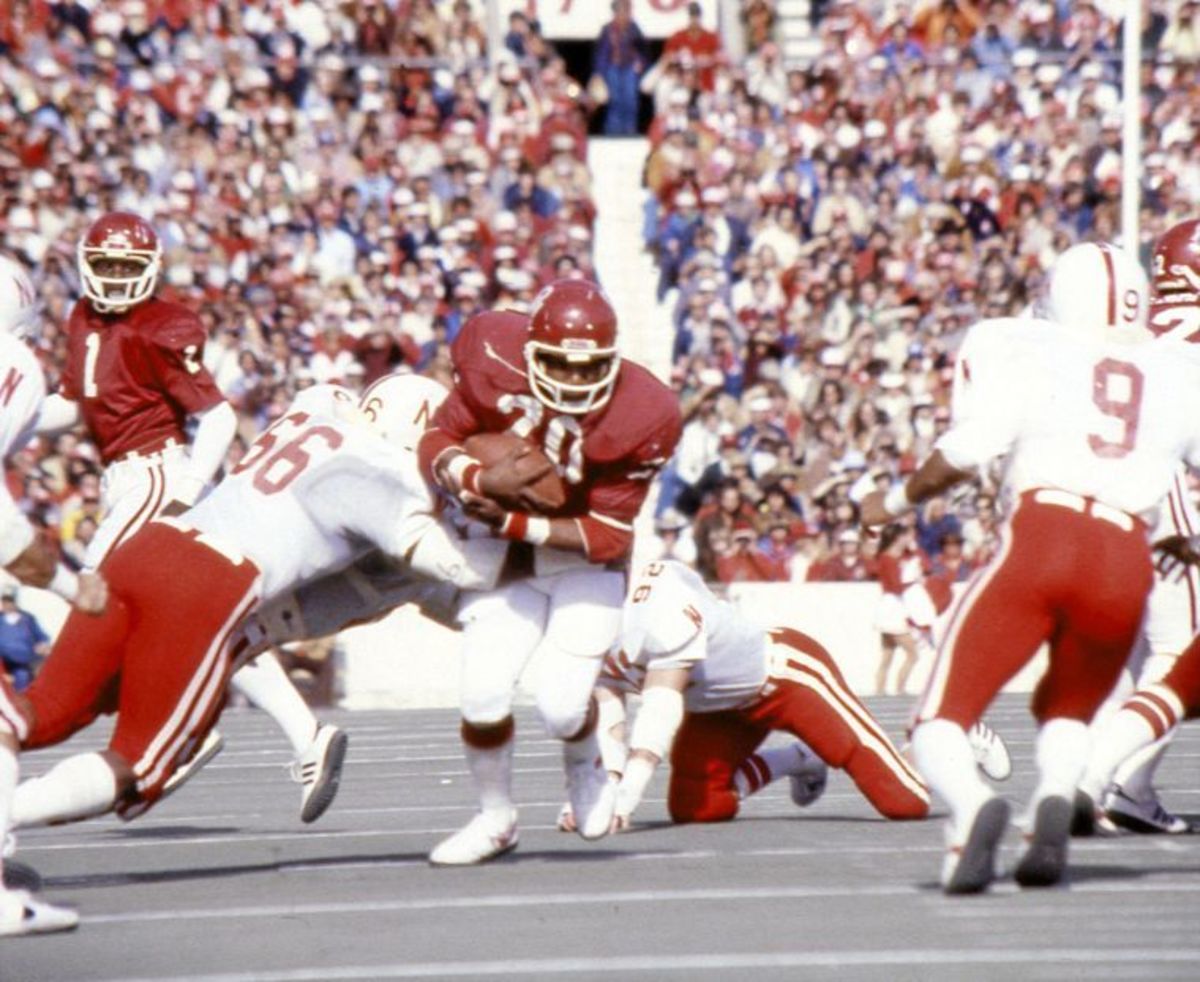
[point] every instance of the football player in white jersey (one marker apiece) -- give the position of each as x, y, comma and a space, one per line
713, 687
27, 557
1092, 423
160, 653
1130, 800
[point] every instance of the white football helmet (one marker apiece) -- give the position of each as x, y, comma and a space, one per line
1100, 288
325, 399
401, 406
19, 307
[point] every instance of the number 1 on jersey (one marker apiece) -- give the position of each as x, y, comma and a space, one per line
1117, 392
91, 356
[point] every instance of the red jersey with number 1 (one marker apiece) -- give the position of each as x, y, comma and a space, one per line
137, 375
607, 458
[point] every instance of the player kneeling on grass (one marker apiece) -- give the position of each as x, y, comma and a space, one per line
713, 687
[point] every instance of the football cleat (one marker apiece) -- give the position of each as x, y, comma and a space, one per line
1083, 815
482, 839
566, 819
17, 876
213, 744
970, 866
1045, 858
1145, 817
592, 795
808, 783
991, 752
21, 914
319, 771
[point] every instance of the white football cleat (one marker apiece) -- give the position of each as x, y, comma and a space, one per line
319, 771
213, 744
808, 783
485, 837
21, 914
970, 863
991, 752
1144, 816
592, 795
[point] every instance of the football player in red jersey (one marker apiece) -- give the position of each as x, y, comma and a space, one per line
1126, 796
555, 379
134, 376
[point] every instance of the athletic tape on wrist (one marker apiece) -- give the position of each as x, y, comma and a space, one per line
896, 502
64, 583
464, 470
657, 721
521, 527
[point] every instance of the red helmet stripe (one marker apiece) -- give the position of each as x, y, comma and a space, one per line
1112, 283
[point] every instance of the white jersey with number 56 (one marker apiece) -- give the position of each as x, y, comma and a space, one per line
1069, 410
316, 492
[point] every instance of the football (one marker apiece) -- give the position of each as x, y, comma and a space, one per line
488, 448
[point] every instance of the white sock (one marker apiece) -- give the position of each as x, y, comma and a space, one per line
1122, 736
1063, 747
1136, 775
75, 788
764, 766
491, 769
9, 771
264, 682
943, 755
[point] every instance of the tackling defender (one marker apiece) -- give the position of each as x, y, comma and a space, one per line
160, 653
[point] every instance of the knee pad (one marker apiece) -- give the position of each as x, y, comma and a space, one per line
563, 714
691, 800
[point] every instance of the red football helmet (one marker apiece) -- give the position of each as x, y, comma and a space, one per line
571, 355
122, 237
1177, 259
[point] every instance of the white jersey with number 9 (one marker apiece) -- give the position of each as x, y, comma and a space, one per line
1076, 412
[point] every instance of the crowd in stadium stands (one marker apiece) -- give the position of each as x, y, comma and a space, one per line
828, 231
338, 186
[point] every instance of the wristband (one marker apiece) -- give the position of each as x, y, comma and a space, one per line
464, 470
896, 502
64, 583
521, 527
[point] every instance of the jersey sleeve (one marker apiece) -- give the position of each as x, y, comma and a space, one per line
176, 355
985, 418
22, 391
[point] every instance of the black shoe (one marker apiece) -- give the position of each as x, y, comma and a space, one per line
1083, 816
976, 866
1045, 859
19, 876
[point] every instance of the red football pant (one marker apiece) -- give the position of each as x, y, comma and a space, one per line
1064, 576
810, 699
158, 657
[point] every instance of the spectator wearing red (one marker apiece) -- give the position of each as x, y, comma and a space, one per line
703, 45
846, 565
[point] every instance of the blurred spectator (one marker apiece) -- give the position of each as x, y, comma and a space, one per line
672, 539
740, 560
846, 565
22, 640
695, 46
619, 59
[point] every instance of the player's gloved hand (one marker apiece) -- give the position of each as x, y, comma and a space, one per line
93, 593
1174, 554
506, 480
